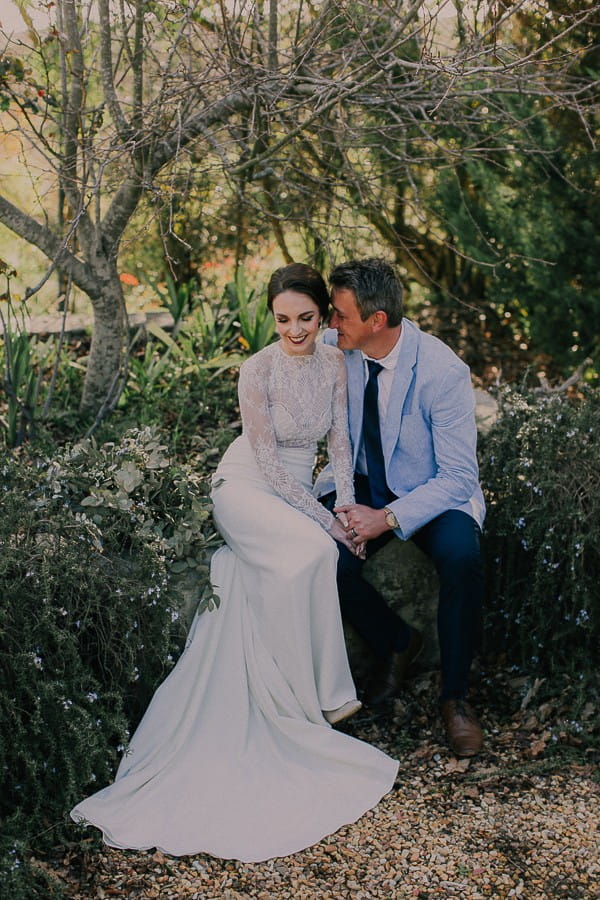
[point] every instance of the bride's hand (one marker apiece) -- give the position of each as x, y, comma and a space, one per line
361, 550
339, 533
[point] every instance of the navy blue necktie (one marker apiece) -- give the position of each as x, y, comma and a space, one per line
372, 439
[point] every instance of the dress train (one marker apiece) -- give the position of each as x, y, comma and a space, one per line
233, 756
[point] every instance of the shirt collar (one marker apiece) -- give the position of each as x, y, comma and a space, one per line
389, 361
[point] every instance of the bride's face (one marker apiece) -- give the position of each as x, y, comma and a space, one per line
297, 322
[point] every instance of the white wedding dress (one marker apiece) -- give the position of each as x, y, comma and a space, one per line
233, 756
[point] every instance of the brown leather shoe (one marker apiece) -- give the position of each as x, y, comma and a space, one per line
463, 730
388, 678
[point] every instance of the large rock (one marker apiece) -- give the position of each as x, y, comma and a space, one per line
408, 581
486, 410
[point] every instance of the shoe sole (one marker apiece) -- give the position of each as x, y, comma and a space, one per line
465, 754
351, 711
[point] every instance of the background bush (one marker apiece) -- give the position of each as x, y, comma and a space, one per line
92, 546
540, 465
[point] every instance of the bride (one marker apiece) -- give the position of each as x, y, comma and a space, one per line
236, 755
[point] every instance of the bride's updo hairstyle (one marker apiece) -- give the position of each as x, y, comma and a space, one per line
303, 279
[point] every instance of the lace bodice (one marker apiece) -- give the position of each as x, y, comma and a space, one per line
294, 401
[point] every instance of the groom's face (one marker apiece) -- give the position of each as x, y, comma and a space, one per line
353, 333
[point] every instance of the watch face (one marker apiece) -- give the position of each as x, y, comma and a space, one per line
390, 518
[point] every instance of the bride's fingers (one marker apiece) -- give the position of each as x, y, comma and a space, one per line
344, 537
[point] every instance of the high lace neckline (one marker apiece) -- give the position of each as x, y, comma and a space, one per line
303, 356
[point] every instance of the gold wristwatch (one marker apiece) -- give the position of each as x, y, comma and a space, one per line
390, 519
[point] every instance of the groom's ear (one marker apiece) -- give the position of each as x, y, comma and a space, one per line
379, 320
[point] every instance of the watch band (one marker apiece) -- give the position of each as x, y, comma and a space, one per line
390, 518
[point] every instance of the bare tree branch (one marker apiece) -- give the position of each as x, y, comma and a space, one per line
38, 235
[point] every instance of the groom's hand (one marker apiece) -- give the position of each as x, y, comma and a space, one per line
364, 523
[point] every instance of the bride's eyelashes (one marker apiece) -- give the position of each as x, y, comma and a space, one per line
283, 320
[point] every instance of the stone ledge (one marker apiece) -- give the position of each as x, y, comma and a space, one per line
407, 579
82, 324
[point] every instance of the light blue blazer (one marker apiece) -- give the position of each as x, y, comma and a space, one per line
429, 435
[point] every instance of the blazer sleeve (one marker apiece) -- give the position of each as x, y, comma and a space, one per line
454, 474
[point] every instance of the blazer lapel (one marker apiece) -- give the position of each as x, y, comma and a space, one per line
402, 380
356, 390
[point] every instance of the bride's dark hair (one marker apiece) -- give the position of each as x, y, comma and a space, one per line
303, 279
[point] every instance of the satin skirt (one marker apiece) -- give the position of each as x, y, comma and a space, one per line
233, 756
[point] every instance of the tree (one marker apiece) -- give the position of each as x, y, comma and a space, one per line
467, 198
129, 100
306, 113
492, 96
533, 218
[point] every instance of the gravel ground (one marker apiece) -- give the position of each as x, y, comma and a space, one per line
518, 821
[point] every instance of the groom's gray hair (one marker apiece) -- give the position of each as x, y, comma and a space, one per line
376, 285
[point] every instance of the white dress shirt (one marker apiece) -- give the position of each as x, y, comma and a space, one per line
384, 383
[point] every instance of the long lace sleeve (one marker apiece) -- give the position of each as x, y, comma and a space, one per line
338, 439
258, 427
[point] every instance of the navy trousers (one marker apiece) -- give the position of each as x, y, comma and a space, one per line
452, 541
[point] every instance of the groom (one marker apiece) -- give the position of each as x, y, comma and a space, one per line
412, 426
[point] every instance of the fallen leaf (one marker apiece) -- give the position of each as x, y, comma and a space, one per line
536, 748
457, 765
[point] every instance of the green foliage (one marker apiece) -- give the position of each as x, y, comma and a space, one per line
24, 878
93, 547
178, 298
540, 465
212, 334
525, 212
534, 230
171, 385
173, 378
164, 506
256, 322
21, 381
42, 380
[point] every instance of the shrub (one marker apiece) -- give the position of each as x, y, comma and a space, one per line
92, 544
24, 878
540, 466
171, 386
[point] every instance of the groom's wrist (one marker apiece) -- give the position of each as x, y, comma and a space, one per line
391, 521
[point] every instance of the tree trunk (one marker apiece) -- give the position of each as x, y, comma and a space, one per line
105, 366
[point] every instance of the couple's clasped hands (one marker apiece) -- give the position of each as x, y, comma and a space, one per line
356, 524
